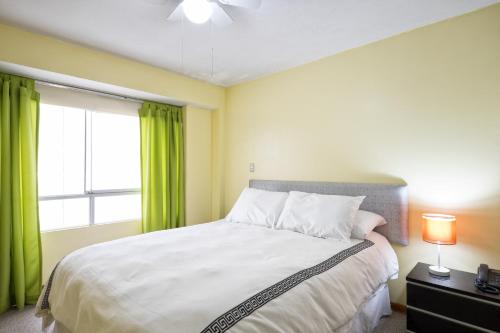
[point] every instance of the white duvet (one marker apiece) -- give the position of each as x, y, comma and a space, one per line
181, 280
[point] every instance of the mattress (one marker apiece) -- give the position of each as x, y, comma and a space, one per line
217, 277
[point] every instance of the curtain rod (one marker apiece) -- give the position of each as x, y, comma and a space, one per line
96, 92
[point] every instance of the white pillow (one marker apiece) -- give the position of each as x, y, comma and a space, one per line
365, 222
258, 207
327, 216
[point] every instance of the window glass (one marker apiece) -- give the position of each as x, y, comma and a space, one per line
88, 164
67, 213
61, 150
117, 208
115, 151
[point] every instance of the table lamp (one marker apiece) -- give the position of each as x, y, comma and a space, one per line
439, 229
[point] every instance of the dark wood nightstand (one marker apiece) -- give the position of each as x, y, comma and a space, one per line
451, 304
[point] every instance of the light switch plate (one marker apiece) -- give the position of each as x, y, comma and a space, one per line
252, 167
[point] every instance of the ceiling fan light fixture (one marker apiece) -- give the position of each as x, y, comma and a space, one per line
197, 11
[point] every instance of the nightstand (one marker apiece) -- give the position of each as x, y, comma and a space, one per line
449, 304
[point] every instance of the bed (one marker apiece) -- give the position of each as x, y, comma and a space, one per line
233, 277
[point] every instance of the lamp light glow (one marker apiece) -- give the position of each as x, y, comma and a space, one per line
197, 11
439, 229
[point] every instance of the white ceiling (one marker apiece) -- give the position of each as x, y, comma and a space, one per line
280, 35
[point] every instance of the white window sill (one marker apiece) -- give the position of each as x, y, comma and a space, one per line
89, 226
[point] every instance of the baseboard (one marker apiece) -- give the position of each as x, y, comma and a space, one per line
398, 307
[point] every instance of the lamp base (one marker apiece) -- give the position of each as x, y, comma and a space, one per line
439, 271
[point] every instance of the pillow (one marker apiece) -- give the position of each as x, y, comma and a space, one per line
258, 207
365, 222
327, 216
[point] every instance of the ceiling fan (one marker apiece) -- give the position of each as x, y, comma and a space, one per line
200, 11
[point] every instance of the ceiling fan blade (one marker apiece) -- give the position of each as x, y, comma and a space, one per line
173, 9
220, 16
252, 4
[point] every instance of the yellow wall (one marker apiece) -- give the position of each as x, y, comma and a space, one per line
42, 52
218, 156
422, 107
198, 131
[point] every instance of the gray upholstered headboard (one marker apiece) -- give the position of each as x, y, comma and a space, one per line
389, 201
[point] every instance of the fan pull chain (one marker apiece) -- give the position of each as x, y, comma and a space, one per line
212, 73
211, 51
182, 44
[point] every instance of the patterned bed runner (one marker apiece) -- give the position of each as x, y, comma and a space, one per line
45, 301
247, 307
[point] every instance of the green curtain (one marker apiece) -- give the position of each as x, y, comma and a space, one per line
20, 246
162, 166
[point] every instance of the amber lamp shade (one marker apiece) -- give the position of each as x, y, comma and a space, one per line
439, 229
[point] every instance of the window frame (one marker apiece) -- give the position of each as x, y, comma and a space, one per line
91, 195
88, 192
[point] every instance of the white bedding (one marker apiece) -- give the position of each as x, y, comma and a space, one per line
181, 280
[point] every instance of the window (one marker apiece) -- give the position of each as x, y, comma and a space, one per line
88, 163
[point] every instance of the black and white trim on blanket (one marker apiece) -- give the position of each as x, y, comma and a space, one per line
45, 301
247, 307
